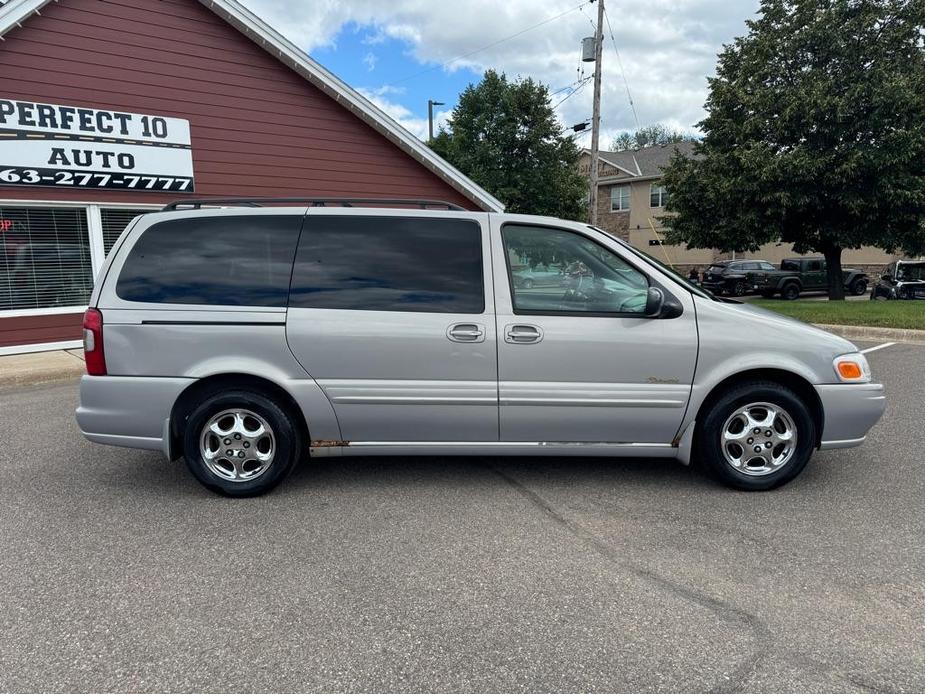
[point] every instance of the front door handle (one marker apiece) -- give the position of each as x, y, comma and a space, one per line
466, 332
520, 334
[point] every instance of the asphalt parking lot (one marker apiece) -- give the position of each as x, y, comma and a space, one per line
120, 574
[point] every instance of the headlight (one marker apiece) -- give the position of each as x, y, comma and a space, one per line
852, 368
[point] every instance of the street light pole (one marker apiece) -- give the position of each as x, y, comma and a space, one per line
430, 117
596, 112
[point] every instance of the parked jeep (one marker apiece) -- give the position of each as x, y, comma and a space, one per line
797, 275
734, 276
902, 279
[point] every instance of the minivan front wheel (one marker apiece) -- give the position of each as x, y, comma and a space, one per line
240, 443
756, 436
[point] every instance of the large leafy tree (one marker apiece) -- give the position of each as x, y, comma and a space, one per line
647, 136
504, 135
815, 135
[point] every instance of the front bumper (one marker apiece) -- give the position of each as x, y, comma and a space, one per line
850, 410
128, 411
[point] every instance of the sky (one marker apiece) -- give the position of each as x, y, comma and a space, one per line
400, 53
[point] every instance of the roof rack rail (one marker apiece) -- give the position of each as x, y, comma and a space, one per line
198, 204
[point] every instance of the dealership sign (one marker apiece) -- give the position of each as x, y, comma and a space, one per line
75, 147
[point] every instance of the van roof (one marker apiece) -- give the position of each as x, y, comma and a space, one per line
199, 203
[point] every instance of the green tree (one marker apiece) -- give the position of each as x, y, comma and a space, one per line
505, 137
647, 136
815, 135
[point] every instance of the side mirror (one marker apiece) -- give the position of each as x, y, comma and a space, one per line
655, 299
886, 277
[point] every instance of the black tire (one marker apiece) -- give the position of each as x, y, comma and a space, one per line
791, 291
739, 288
859, 287
709, 450
287, 443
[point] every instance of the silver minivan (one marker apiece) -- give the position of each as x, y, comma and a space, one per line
249, 336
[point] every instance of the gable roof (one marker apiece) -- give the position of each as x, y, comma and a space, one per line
646, 162
14, 12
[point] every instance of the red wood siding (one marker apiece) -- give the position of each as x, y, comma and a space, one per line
258, 127
33, 330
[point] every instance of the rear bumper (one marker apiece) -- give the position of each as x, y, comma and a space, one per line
128, 411
850, 410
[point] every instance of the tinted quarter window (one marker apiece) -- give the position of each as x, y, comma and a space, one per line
222, 260
427, 265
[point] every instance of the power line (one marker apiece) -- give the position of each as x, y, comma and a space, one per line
572, 93
494, 43
590, 21
622, 71
569, 86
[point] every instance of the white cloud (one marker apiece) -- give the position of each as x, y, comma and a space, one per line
369, 60
416, 126
668, 47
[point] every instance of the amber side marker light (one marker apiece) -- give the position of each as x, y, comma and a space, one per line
849, 370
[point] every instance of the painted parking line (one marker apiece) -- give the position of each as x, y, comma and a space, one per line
874, 349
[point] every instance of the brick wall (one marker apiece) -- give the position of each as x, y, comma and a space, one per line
615, 223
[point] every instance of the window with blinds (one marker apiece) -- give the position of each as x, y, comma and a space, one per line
44, 258
114, 223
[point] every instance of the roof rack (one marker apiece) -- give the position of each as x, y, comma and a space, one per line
313, 202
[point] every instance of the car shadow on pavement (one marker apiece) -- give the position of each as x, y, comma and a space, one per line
437, 471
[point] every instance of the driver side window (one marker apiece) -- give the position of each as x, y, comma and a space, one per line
577, 275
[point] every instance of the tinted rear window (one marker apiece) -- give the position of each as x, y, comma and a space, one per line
389, 264
230, 261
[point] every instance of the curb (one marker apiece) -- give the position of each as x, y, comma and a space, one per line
866, 332
39, 368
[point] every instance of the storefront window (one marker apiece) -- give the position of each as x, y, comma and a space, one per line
44, 258
114, 222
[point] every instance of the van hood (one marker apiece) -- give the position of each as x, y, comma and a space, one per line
762, 324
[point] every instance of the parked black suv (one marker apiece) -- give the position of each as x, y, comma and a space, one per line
902, 279
734, 276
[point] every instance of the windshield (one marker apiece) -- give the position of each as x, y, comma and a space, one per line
909, 272
693, 288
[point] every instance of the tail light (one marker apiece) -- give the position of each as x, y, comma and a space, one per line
93, 343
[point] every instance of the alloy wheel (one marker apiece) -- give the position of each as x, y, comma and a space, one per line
758, 439
237, 445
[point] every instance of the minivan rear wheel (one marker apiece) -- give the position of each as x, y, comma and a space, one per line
240, 443
756, 436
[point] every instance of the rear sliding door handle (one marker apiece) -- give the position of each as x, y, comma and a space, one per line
520, 334
466, 332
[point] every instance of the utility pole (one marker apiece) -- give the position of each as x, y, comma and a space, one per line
596, 113
430, 117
